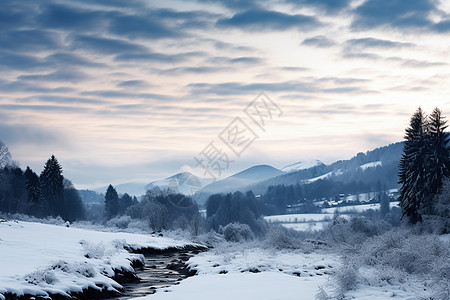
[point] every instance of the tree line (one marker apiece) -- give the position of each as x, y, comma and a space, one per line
49, 194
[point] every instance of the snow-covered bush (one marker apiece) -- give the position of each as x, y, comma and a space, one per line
397, 258
121, 222
92, 250
411, 253
235, 232
439, 220
346, 278
41, 276
354, 231
279, 237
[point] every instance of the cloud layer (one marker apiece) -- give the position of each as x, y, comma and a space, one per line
141, 88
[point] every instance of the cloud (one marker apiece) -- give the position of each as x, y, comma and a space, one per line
47, 108
235, 4
193, 70
313, 85
243, 60
329, 6
125, 95
376, 43
132, 26
30, 134
16, 14
31, 87
414, 63
159, 57
134, 84
442, 26
233, 88
64, 17
70, 59
72, 76
22, 62
348, 53
60, 100
28, 40
400, 14
104, 45
319, 41
265, 20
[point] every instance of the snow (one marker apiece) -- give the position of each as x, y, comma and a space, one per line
324, 176
306, 226
283, 275
302, 165
371, 165
297, 218
40, 258
357, 208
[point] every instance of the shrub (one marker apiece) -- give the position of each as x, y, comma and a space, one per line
121, 222
346, 278
235, 232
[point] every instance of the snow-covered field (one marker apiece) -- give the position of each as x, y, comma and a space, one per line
253, 273
298, 218
355, 208
39, 258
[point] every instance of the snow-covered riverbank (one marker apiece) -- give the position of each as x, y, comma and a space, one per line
40, 259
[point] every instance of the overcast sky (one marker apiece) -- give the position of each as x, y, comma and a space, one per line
125, 91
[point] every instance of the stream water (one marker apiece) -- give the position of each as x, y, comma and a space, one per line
161, 271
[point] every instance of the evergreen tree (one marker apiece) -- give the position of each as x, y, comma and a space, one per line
438, 162
33, 186
384, 205
34, 194
424, 165
52, 186
412, 168
74, 208
124, 202
111, 202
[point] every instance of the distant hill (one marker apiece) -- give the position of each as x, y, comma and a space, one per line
239, 181
184, 183
302, 165
379, 166
132, 188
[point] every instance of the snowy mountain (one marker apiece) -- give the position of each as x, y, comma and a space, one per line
301, 165
379, 166
131, 188
184, 183
240, 181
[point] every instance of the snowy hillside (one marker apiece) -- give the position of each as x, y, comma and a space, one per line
371, 165
301, 165
38, 259
184, 183
240, 181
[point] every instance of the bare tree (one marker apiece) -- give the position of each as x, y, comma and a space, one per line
5, 156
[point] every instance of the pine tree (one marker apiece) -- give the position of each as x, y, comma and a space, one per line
34, 193
33, 186
413, 168
384, 205
111, 202
438, 163
124, 202
424, 165
52, 186
74, 207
